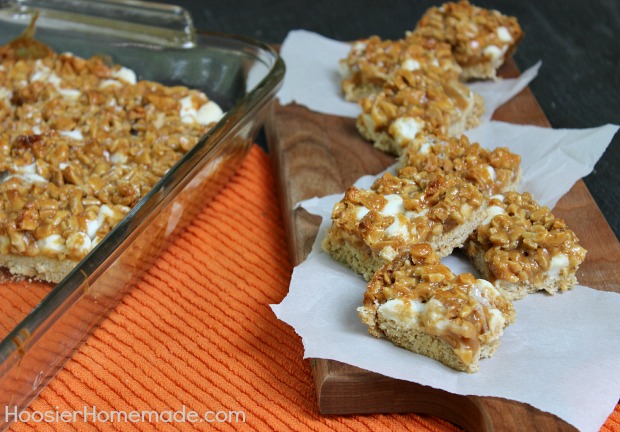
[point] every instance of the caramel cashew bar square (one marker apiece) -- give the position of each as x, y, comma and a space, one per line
419, 304
371, 226
416, 102
522, 248
481, 39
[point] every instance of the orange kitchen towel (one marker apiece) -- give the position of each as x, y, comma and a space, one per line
195, 344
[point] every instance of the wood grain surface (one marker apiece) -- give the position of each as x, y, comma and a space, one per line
315, 155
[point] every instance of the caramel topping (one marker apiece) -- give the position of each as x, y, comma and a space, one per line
461, 310
437, 101
522, 243
372, 62
470, 30
492, 172
80, 146
397, 212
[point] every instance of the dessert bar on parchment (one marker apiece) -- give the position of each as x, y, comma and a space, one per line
412, 86
521, 247
481, 39
371, 226
458, 40
420, 305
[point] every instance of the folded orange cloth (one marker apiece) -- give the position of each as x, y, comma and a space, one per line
197, 334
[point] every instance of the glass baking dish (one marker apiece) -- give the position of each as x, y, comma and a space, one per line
160, 44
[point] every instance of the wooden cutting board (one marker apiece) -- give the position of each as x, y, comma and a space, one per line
315, 155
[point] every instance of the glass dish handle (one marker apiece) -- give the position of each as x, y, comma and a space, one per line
138, 21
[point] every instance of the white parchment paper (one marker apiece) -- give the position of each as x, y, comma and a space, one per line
312, 78
561, 356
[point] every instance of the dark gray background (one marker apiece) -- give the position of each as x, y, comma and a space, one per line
578, 41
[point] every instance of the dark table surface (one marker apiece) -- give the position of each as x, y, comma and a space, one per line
578, 41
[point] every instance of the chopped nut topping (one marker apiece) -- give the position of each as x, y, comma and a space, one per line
372, 62
80, 145
524, 242
418, 101
396, 212
491, 171
416, 291
478, 36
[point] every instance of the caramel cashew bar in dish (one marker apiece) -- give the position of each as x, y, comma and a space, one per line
419, 304
372, 62
81, 142
521, 247
371, 226
414, 102
481, 39
492, 171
